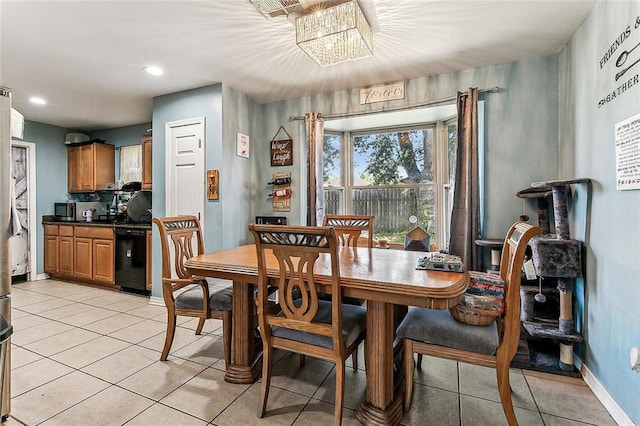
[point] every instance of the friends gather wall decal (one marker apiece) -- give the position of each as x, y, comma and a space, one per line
625, 49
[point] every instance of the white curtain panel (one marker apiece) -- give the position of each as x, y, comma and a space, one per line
131, 163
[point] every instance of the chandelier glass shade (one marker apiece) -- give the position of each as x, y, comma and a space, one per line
335, 35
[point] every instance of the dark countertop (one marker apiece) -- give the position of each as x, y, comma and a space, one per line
49, 220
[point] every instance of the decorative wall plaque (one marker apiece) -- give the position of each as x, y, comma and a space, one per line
281, 150
381, 93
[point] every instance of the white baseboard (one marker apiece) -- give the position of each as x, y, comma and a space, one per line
42, 277
156, 301
601, 393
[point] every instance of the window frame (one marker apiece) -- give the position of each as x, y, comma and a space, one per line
440, 165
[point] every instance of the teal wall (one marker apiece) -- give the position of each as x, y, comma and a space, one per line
521, 131
606, 219
240, 187
202, 102
51, 176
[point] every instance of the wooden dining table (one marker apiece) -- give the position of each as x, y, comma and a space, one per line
387, 279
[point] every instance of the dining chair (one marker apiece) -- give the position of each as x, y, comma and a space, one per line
302, 322
437, 333
186, 294
349, 228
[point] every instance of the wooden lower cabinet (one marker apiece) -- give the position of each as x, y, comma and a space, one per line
67, 256
51, 259
103, 261
66, 251
85, 253
83, 265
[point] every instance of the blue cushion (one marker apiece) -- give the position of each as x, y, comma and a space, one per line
440, 328
354, 320
220, 297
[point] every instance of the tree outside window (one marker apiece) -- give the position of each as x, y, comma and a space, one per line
390, 175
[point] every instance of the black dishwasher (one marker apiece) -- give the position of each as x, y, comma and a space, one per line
131, 259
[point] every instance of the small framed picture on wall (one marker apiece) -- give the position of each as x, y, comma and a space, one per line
242, 145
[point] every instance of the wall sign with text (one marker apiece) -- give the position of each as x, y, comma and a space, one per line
628, 153
621, 61
281, 150
381, 93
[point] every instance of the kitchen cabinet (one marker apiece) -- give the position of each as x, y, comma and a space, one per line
90, 166
51, 246
83, 253
103, 261
66, 251
95, 255
147, 161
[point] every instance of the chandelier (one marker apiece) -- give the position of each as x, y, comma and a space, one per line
334, 35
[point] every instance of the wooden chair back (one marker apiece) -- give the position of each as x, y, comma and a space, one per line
454, 337
297, 249
513, 253
180, 239
350, 227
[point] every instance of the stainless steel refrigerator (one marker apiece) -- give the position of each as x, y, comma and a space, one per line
5, 257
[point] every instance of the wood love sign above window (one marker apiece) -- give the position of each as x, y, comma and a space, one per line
281, 150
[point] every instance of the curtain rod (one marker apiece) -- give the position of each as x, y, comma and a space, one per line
433, 102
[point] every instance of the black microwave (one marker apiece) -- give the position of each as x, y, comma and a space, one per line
65, 212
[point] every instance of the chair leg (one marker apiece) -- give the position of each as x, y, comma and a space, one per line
504, 389
302, 359
419, 363
408, 373
226, 337
267, 352
339, 399
168, 340
200, 325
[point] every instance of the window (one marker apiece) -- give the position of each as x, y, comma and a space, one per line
131, 163
393, 173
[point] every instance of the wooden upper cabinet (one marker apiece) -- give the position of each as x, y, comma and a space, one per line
74, 170
90, 166
147, 162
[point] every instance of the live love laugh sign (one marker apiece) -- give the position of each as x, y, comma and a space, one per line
626, 60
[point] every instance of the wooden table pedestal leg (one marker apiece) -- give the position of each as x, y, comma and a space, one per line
245, 365
381, 406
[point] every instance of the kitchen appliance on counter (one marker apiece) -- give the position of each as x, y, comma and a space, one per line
65, 212
95, 207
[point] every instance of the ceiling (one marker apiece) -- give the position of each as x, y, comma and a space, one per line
86, 58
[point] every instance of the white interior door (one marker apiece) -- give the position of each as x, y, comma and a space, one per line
185, 177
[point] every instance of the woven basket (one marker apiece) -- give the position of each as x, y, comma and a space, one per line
474, 316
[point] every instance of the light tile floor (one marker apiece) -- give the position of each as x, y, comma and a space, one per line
86, 356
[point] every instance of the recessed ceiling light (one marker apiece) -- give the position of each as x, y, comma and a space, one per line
37, 100
154, 70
